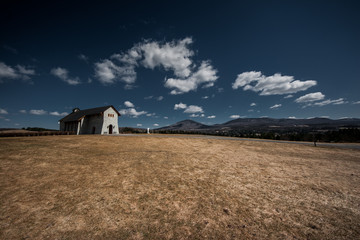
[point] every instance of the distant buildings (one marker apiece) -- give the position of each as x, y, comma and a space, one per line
101, 120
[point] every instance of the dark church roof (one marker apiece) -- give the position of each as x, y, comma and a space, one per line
77, 115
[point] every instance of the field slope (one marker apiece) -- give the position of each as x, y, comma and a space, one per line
124, 187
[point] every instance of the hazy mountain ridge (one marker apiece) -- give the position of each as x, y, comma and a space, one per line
266, 124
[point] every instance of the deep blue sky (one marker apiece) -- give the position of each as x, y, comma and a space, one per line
210, 62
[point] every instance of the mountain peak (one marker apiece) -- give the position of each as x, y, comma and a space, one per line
186, 124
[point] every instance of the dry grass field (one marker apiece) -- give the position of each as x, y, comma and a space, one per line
138, 187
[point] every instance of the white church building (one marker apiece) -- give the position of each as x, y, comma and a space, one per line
101, 120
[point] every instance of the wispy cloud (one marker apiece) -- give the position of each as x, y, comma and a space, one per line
155, 125
3, 111
357, 102
253, 104
276, 84
329, 101
132, 112
38, 112
188, 109
17, 72
83, 57
58, 114
139, 125
275, 106
311, 97
197, 115
10, 49
211, 117
235, 116
63, 74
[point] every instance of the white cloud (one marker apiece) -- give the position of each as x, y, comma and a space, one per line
156, 125
130, 58
311, 97
58, 114
63, 74
173, 55
271, 85
193, 109
129, 104
275, 106
329, 101
253, 104
188, 109
357, 102
107, 72
166, 117
197, 115
38, 112
131, 112
205, 74
212, 116
18, 72
139, 125
180, 106
205, 97
150, 114
160, 98
3, 111
292, 117
234, 116
289, 96
22, 111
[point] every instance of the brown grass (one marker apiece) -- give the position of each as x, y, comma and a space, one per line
98, 187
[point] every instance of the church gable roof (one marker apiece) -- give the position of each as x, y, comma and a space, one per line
77, 115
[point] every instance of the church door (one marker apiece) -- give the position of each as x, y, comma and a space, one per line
110, 129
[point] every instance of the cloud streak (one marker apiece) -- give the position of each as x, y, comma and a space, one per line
275, 106
276, 84
311, 97
63, 74
17, 72
3, 111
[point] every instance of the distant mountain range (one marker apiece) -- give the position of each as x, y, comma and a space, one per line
266, 124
